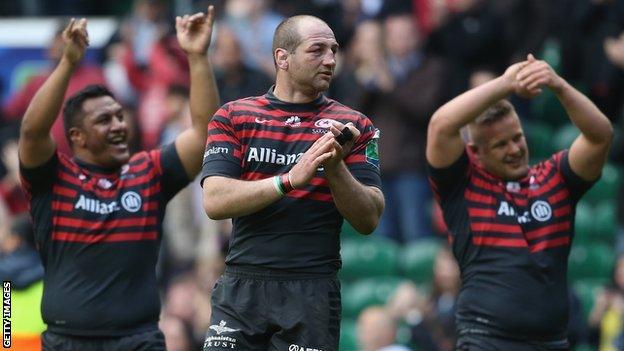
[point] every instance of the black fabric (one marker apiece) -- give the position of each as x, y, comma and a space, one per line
257, 311
152, 340
511, 240
477, 342
259, 137
98, 233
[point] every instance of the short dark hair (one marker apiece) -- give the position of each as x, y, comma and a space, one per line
287, 33
73, 112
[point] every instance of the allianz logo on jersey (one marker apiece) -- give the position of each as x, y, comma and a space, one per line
216, 150
540, 210
268, 155
130, 201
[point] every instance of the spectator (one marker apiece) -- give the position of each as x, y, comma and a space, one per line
85, 74
235, 78
376, 330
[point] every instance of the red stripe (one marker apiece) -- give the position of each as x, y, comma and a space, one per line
485, 185
480, 198
139, 180
61, 190
494, 227
250, 176
249, 109
549, 229
552, 182
518, 201
355, 158
265, 134
142, 166
558, 196
104, 225
70, 178
154, 156
62, 206
150, 206
99, 238
481, 212
492, 241
562, 211
319, 181
546, 244
304, 194
222, 137
545, 171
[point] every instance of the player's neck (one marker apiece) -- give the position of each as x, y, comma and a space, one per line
288, 93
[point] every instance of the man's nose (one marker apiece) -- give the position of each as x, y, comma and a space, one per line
330, 59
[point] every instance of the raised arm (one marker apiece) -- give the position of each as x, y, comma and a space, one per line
589, 150
35, 144
194, 34
229, 198
444, 142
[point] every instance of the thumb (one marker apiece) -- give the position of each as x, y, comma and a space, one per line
530, 57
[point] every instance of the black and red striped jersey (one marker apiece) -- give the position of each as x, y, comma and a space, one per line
512, 241
259, 137
98, 232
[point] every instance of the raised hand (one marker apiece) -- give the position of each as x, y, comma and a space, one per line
75, 40
538, 74
194, 31
317, 154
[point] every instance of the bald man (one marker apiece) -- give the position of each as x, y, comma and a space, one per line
288, 167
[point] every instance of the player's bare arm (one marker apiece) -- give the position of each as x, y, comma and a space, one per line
589, 150
359, 204
444, 143
228, 198
194, 34
36, 145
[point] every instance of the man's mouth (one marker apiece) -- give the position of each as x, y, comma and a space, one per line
118, 141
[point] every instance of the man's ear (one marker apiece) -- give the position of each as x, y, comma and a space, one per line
77, 137
281, 58
473, 150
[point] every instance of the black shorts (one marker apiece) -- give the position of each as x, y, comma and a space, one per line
477, 342
256, 310
153, 340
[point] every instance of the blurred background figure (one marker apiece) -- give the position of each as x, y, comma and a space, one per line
377, 330
235, 78
86, 74
177, 336
607, 316
20, 264
10, 191
254, 23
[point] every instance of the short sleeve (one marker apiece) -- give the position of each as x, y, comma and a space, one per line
576, 185
363, 160
40, 179
223, 148
174, 177
444, 180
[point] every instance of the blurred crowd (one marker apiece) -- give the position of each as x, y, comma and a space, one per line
399, 61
